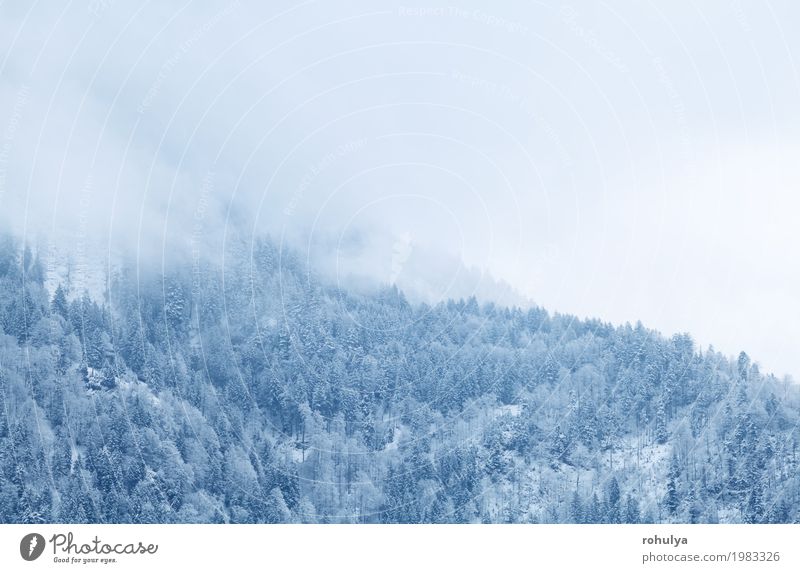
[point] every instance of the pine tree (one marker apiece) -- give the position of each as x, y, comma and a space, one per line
672, 500
632, 514
60, 305
576, 509
613, 511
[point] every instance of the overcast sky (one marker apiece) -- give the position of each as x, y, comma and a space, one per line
624, 160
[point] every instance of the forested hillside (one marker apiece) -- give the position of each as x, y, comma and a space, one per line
257, 392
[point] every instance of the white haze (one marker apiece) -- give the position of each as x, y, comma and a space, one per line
625, 161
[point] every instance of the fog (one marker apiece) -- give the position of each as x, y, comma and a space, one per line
620, 160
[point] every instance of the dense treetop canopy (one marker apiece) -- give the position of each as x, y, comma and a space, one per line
257, 392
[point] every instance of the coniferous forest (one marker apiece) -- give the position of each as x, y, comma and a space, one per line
255, 391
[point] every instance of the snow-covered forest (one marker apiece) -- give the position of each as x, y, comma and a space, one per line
259, 392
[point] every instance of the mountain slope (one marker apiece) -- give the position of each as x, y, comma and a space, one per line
255, 392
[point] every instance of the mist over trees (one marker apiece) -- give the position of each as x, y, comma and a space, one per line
257, 392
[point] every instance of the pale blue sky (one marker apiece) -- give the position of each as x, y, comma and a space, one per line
625, 160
